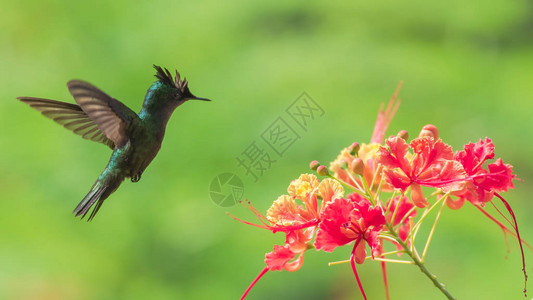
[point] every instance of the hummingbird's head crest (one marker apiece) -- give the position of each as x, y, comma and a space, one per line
164, 76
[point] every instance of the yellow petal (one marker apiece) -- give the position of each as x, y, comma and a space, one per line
303, 186
283, 211
368, 151
330, 189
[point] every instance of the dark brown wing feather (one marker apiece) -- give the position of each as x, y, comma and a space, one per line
111, 116
71, 116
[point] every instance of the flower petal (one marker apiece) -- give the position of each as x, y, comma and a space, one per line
285, 211
397, 179
360, 253
333, 217
500, 177
396, 158
297, 240
295, 264
428, 155
330, 190
277, 259
474, 155
417, 196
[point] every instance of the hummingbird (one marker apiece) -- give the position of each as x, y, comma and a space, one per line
134, 138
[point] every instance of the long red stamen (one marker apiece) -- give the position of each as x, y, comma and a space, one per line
510, 210
263, 272
440, 183
385, 281
257, 213
502, 227
248, 223
501, 214
352, 263
279, 228
500, 173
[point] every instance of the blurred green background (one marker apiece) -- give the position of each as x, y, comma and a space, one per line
467, 68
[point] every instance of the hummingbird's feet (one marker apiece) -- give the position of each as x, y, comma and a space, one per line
137, 177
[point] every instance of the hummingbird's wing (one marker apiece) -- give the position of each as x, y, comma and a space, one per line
71, 116
112, 117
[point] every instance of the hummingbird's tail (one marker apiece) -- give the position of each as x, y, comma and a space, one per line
98, 193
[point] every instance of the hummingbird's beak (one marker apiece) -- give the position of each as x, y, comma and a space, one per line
198, 98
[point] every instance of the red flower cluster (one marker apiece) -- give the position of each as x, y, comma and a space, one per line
321, 211
335, 222
433, 164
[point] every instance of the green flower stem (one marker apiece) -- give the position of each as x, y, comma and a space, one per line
421, 265
347, 185
378, 171
425, 214
367, 190
433, 230
349, 173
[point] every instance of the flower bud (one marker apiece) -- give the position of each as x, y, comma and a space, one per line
403, 135
322, 170
429, 130
357, 166
354, 148
314, 165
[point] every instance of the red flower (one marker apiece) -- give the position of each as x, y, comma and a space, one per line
346, 220
432, 166
289, 257
482, 183
277, 259
296, 244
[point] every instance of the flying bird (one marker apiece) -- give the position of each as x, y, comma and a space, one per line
134, 138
